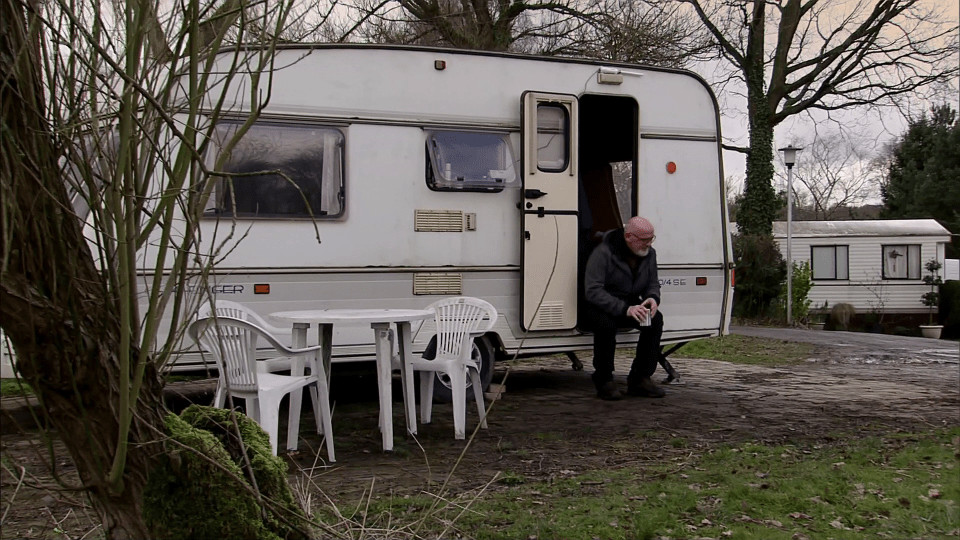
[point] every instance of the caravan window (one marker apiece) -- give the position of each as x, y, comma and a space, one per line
553, 147
901, 262
830, 262
279, 171
469, 161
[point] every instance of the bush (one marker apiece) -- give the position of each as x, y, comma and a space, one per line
841, 313
759, 273
801, 283
931, 299
904, 331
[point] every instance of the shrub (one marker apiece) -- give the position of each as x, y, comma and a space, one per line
904, 331
801, 283
759, 273
841, 313
931, 299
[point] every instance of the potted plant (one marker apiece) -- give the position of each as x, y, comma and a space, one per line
931, 299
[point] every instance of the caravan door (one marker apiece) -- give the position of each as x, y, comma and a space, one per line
549, 211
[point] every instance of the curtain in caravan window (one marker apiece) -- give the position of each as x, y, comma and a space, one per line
330, 203
824, 259
913, 262
280, 171
901, 262
843, 262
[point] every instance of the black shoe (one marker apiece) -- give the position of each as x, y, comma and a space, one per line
609, 391
646, 388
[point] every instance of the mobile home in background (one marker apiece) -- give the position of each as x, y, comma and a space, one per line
874, 265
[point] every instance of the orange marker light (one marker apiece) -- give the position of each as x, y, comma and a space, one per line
261, 288
671, 167
701, 281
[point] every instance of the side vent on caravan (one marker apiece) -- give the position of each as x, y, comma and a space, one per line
550, 315
438, 283
438, 220
470, 221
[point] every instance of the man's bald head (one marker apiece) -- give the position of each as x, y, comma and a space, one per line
639, 234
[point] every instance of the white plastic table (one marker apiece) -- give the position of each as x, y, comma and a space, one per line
380, 320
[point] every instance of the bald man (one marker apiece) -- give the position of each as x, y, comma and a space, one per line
622, 290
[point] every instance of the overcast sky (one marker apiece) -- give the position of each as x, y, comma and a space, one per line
877, 129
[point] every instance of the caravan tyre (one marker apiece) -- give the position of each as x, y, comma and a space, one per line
483, 354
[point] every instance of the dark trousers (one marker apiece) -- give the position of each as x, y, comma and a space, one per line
605, 328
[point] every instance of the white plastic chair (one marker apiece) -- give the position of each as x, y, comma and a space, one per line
233, 342
226, 308
459, 320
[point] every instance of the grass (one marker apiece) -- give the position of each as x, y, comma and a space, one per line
747, 350
896, 486
14, 387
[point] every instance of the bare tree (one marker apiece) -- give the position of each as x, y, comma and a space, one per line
621, 30
496, 25
833, 174
634, 32
94, 105
826, 55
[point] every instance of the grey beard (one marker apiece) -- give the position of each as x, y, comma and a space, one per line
640, 252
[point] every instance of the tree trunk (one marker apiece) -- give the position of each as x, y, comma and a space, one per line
759, 207
55, 305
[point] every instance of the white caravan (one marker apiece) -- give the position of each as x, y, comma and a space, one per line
439, 172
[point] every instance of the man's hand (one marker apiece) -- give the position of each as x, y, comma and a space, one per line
646, 309
651, 305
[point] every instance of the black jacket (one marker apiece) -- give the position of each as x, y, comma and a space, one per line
611, 284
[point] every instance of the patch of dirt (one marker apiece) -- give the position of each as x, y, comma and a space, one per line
549, 424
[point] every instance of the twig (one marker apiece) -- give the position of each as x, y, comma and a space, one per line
23, 472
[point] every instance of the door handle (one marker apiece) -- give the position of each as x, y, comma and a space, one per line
533, 193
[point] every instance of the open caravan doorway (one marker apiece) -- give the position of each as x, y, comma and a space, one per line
608, 183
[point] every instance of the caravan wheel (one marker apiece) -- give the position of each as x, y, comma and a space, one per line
483, 355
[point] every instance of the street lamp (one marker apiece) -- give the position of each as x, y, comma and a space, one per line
789, 158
